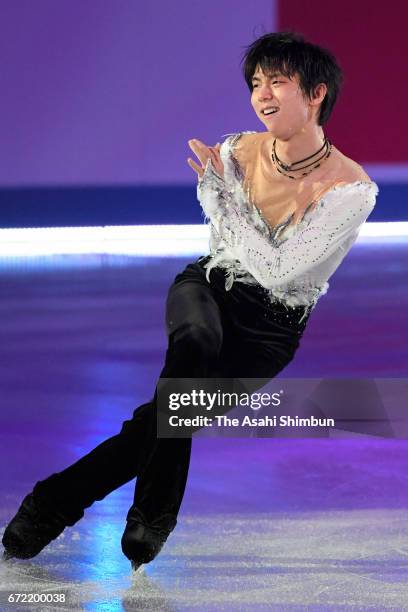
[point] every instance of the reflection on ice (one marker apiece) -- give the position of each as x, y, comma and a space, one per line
263, 561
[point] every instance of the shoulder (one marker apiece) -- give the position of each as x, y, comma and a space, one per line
239, 141
244, 136
349, 171
349, 181
241, 146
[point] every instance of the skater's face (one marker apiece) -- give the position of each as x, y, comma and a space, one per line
292, 110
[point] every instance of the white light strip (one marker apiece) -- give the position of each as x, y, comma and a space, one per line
385, 229
144, 240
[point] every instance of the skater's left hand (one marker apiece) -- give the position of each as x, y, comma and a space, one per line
204, 153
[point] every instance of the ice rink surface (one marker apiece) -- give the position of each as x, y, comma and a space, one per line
266, 524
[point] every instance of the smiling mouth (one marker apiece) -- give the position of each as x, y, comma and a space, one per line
269, 113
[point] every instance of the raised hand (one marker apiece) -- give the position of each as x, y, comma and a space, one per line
204, 153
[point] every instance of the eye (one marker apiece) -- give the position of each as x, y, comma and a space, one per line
254, 85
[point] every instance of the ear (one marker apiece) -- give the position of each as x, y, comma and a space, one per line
319, 94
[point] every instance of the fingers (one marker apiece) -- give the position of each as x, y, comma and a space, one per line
200, 150
214, 154
204, 153
195, 167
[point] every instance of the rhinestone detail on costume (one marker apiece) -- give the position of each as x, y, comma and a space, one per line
292, 262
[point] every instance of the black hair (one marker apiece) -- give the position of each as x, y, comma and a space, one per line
289, 53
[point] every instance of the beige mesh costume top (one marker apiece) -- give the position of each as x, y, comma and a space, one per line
293, 259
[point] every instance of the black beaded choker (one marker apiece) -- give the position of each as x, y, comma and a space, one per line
283, 168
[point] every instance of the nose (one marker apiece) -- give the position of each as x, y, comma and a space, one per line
264, 92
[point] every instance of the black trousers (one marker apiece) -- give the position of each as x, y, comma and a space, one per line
211, 333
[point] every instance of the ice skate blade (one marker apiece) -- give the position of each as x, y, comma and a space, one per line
138, 568
7, 555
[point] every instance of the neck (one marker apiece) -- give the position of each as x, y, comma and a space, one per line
300, 145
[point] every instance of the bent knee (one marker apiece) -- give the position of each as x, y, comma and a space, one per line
199, 338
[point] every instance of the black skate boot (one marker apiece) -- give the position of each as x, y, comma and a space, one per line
33, 527
142, 541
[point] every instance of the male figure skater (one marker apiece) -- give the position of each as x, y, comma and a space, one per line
284, 207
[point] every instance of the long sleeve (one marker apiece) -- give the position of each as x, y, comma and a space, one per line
331, 227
